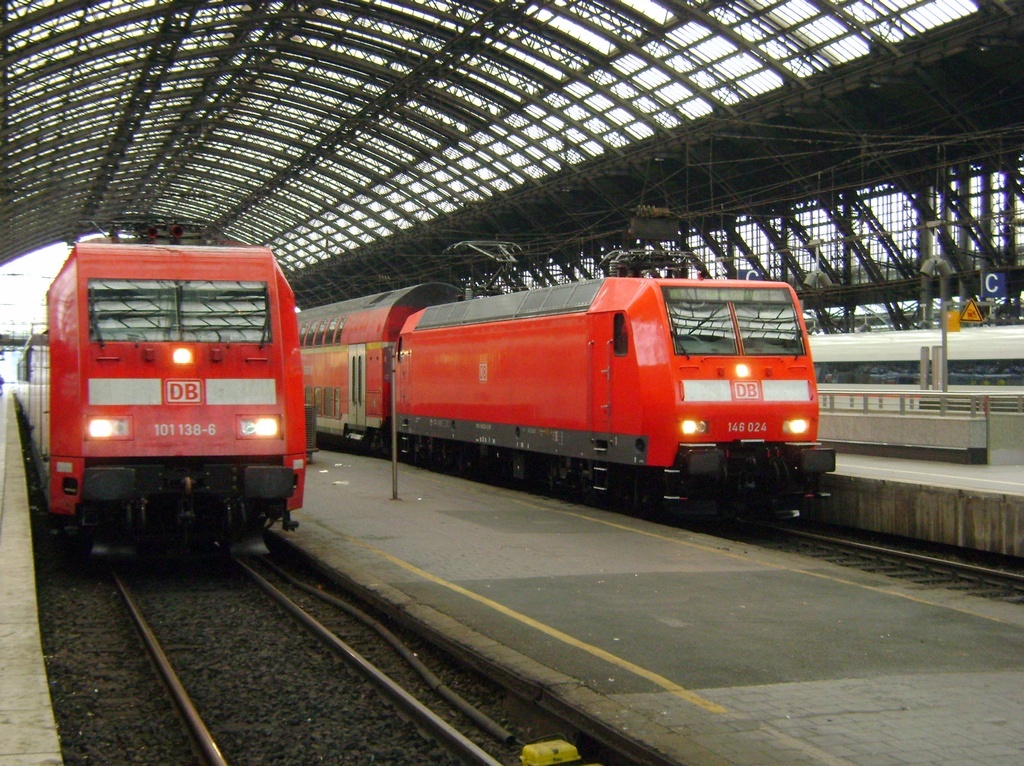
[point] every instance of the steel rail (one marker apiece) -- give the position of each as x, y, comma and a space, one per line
453, 740
206, 746
956, 566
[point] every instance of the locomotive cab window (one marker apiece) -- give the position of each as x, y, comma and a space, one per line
137, 310
724, 321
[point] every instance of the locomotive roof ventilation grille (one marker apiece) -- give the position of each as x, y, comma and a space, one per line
548, 300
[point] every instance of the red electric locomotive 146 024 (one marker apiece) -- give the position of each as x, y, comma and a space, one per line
174, 398
693, 395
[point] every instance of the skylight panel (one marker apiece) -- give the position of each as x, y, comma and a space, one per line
751, 30
577, 113
674, 93
493, 79
628, 64
640, 130
667, 120
652, 78
822, 30
536, 62
934, 14
712, 50
726, 95
553, 144
646, 105
575, 31
625, 91
792, 13
847, 49
519, 160
706, 80
620, 116
688, 35
761, 82
579, 89
554, 123
599, 102
696, 108
738, 66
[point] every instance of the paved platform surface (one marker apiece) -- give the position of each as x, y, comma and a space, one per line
28, 734
1004, 479
712, 652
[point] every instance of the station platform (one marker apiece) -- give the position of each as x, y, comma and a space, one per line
1002, 479
965, 506
28, 732
709, 652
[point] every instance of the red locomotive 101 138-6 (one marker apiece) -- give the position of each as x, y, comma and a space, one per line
166, 396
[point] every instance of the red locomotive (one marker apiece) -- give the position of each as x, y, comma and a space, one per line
695, 394
345, 355
645, 390
176, 411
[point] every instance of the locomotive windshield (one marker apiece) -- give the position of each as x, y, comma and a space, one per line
725, 321
155, 310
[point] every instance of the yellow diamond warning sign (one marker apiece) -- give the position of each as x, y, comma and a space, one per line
971, 313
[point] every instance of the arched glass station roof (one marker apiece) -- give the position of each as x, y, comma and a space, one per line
376, 144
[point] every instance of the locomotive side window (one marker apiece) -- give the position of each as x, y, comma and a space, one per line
178, 310
620, 338
706, 320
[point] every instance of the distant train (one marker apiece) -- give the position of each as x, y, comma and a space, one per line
989, 358
166, 399
692, 394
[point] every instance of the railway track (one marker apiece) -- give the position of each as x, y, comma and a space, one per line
203, 677
987, 576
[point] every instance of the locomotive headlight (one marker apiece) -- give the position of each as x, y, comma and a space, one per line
742, 371
182, 355
691, 427
109, 428
798, 426
259, 427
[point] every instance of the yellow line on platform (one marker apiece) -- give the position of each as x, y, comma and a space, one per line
664, 683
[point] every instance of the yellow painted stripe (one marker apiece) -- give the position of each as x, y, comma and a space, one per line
664, 683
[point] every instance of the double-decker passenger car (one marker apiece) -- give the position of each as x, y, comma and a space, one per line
696, 393
169, 404
346, 351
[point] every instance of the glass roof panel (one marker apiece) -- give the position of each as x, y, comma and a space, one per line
358, 91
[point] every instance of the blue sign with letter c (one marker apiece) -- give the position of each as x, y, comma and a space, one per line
993, 285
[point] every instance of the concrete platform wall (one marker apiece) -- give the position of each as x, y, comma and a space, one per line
971, 519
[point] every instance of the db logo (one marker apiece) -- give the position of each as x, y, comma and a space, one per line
183, 391
746, 389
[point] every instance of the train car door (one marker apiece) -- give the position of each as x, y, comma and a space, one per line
357, 386
609, 344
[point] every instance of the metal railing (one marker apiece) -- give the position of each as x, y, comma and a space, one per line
919, 403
